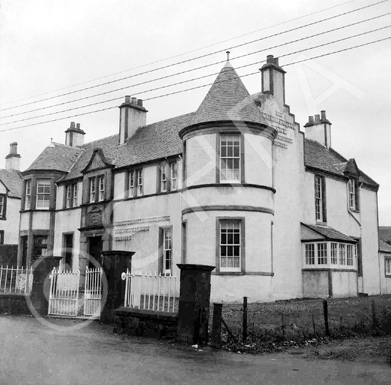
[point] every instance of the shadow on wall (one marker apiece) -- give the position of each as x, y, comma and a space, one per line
8, 255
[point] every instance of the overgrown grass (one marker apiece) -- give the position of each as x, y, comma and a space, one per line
301, 321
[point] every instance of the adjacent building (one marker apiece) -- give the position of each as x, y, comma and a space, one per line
235, 184
10, 197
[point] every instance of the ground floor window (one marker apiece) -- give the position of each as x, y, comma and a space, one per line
230, 245
40, 247
1, 237
165, 246
387, 262
68, 246
333, 254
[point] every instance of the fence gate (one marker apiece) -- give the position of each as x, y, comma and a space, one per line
64, 293
66, 298
93, 292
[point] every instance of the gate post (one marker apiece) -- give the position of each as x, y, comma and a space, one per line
41, 283
194, 301
114, 263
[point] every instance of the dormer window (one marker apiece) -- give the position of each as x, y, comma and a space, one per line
135, 183
352, 195
92, 190
101, 184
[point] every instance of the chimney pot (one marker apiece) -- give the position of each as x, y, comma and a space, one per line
134, 100
276, 61
127, 99
323, 114
72, 124
270, 59
140, 102
78, 126
317, 118
311, 119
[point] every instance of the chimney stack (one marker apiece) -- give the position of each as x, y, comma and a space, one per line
74, 136
273, 79
12, 160
319, 129
132, 116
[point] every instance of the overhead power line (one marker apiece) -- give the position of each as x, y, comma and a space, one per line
184, 53
196, 68
196, 87
199, 57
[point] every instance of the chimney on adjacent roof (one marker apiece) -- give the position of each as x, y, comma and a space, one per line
74, 136
132, 115
273, 79
319, 128
12, 160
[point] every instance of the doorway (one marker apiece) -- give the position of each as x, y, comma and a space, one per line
94, 250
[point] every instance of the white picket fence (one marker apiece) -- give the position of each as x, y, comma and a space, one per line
18, 280
149, 291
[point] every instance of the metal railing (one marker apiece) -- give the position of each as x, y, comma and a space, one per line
64, 293
93, 291
18, 280
149, 291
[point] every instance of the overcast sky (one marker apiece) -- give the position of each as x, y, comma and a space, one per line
54, 47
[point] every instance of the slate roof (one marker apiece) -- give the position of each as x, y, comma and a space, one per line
326, 159
154, 141
227, 99
330, 233
384, 247
12, 179
385, 233
56, 157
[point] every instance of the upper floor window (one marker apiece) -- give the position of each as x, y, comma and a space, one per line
75, 200
101, 185
27, 204
71, 196
139, 182
174, 175
168, 176
230, 245
43, 193
92, 190
135, 183
352, 187
320, 202
2, 206
230, 158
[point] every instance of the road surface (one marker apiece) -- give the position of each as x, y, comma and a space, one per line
70, 352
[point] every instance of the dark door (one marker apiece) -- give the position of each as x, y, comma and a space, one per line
95, 248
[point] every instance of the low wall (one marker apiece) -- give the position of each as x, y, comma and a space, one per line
14, 303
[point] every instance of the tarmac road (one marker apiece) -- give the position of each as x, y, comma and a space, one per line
70, 352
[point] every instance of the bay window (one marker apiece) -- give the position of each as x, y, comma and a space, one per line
43, 194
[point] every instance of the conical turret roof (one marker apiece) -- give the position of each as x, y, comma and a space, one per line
227, 99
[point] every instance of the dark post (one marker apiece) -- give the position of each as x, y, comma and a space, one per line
326, 317
39, 300
114, 263
193, 312
216, 325
244, 319
375, 322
